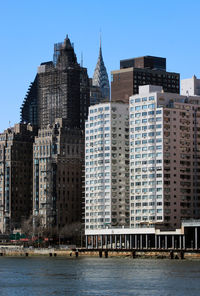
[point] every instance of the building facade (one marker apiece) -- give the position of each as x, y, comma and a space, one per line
16, 176
95, 94
142, 71
107, 166
58, 154
164, 158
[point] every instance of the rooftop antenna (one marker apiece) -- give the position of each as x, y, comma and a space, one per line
100, 37
81, 59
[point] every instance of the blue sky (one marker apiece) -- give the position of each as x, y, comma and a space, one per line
130, 28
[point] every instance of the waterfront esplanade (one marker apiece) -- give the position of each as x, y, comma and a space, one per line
187, 237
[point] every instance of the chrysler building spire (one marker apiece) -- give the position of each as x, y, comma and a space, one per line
100, 77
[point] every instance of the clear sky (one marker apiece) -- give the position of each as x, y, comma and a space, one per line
130, 28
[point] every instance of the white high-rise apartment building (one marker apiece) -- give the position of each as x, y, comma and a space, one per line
107, 166
146, 158
164, 158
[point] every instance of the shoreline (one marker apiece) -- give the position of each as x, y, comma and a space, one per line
101, 253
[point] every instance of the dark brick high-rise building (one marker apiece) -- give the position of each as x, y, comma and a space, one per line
16, 176
142, 71
60, 90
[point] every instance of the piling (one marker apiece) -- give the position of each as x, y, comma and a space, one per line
133, 254
182, 255
171, 254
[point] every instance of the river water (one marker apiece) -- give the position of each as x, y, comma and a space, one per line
98, 277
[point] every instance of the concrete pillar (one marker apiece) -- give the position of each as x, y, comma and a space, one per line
135, 241
172, 241
125, 243
101, 242
92, 240
146, 236
86, 241
159, 241
165, 241
130, 241
183, 241
96, 241
115, 241
155, 241
120, 241
196, 238
141, 241
106, 241
180, 242
111, 241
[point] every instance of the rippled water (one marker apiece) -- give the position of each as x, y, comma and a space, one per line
98, 277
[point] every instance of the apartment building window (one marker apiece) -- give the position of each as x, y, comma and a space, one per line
138, 100
151, 98
144, 99
151, 113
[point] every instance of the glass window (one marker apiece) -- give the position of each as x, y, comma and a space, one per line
151, 98
137, 100
151, 112
138, 128
144, 113
144, 107
159, 112
151, 106
137, 114
138, 121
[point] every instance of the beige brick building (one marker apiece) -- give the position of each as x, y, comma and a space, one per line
58, 164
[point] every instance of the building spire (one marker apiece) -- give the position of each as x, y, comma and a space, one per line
100, 77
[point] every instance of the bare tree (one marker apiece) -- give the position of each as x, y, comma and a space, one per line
33, 225
72, 232
27, 226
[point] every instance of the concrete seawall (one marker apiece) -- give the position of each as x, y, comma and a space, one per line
156, 254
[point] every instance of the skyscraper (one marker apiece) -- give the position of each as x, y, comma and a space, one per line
60, 90
100, 77
164, 158
107, 166
16, 176
58, 163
